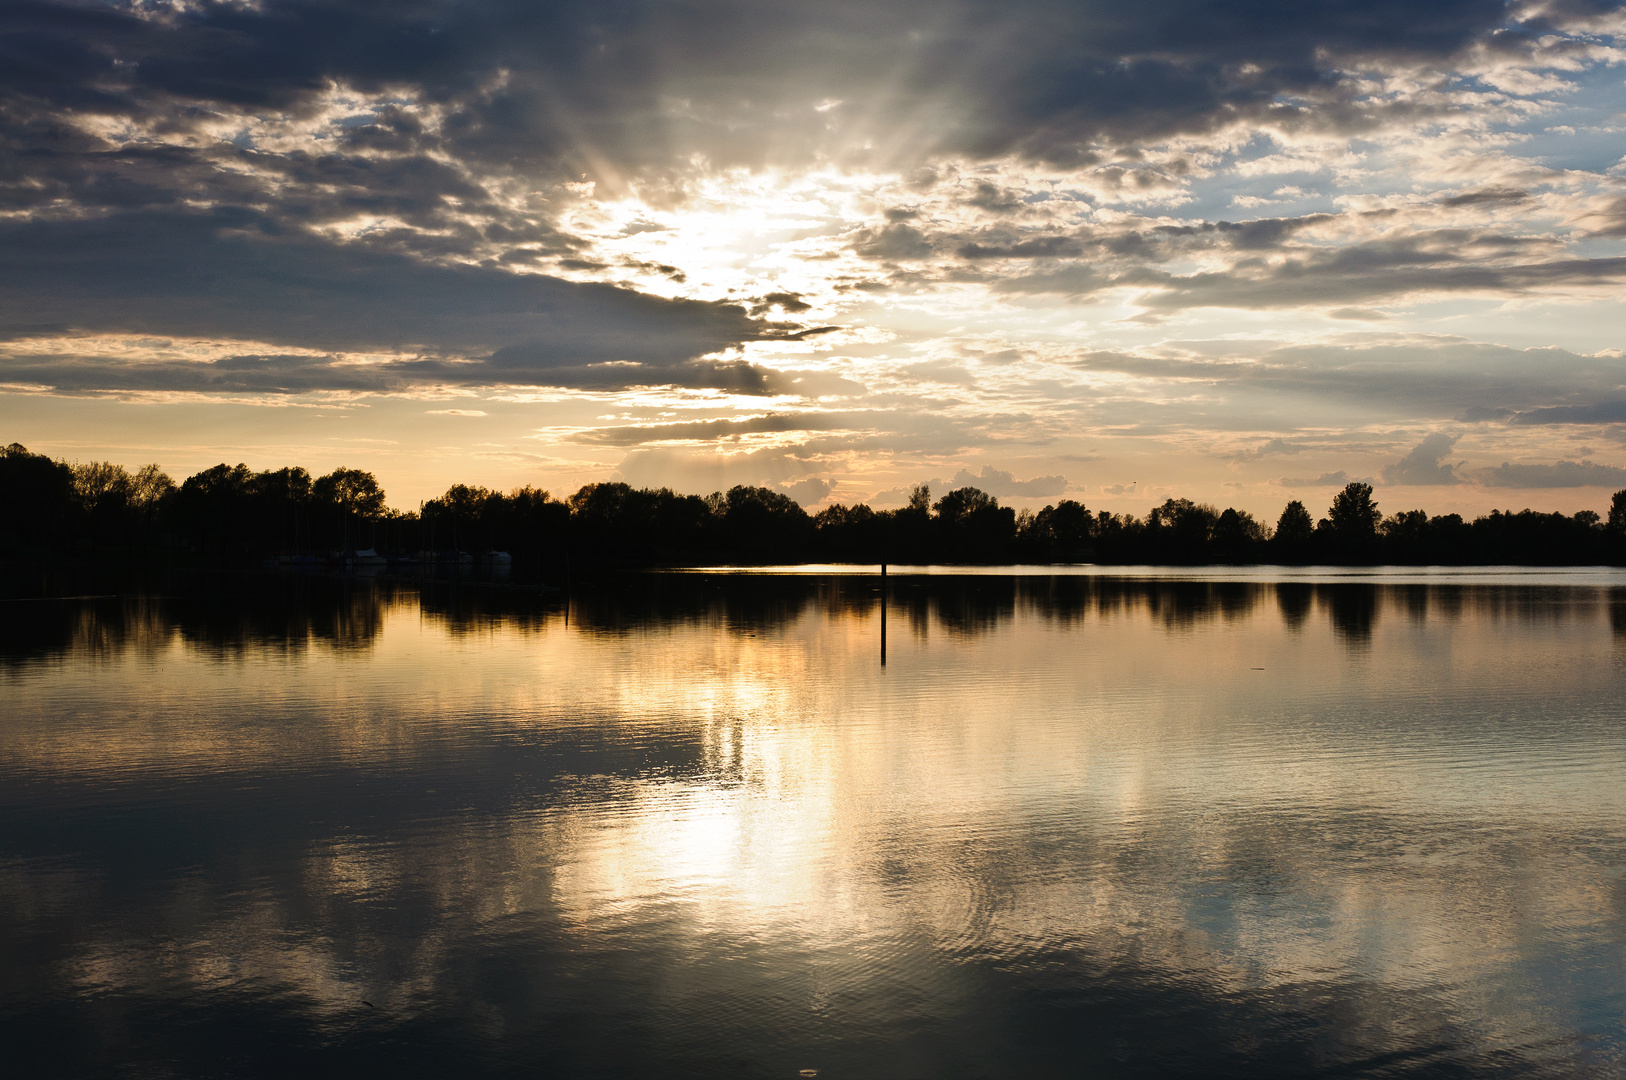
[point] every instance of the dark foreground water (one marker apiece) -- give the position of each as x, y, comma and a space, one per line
1075, 827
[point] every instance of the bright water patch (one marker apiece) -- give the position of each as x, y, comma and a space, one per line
689, 825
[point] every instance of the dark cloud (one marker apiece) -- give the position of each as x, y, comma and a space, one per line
995, 199
182, 170
892, 242
1488, 197
555, 84
1041, 247
1603, 412
450, 101
1564, 474
788, 302
238, 276
280, 374
1422, 466
1606, 412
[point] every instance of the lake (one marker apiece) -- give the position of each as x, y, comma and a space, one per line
1085, 823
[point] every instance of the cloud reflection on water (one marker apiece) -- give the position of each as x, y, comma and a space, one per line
703, 830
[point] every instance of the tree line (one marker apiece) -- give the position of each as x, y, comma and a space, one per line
232, 514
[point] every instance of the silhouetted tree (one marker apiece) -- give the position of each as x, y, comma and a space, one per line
37, 495
351, 500
1615, 526
1354, 520
1056, 533
763, 525
1180, 531
1294, 530
213, 510
150, 489
1407, 537
850, 533
907, 535
103, 491
230, 512
971, 526
282, 501
1117, 537
1237, 537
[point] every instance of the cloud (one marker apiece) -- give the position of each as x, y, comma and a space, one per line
899, 496
356, 199
1422, 465
1479, 414
809, 491
231, 275
1271, 448
894, 241
1331, 479
998, 482
1564, 474
1415, 375
456, 412
711, 430
1490, 196
515, 84
688, 471
1420, 264
1606, 412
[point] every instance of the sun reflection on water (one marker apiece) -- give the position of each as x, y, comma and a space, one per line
1229, 793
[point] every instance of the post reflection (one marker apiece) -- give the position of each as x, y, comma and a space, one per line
702, 831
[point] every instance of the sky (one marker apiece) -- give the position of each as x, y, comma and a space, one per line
1102, 250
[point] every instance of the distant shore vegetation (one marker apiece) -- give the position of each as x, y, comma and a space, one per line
230, 514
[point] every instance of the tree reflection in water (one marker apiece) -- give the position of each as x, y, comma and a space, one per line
1131, 826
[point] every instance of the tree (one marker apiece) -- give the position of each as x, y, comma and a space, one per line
1354, 515
353, 497
1061, 532
1237, 536
1295, 532
972, 525
850, 533
1294, 526
762, 524
213, 508
1180, 530
1406, 536
150, 488
36, 499
1616, 526
920, 499
351, 491
282, 506
103, 492
960, 504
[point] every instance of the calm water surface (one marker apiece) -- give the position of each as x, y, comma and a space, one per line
1076, 826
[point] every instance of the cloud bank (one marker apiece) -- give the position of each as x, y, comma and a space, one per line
1179, 239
